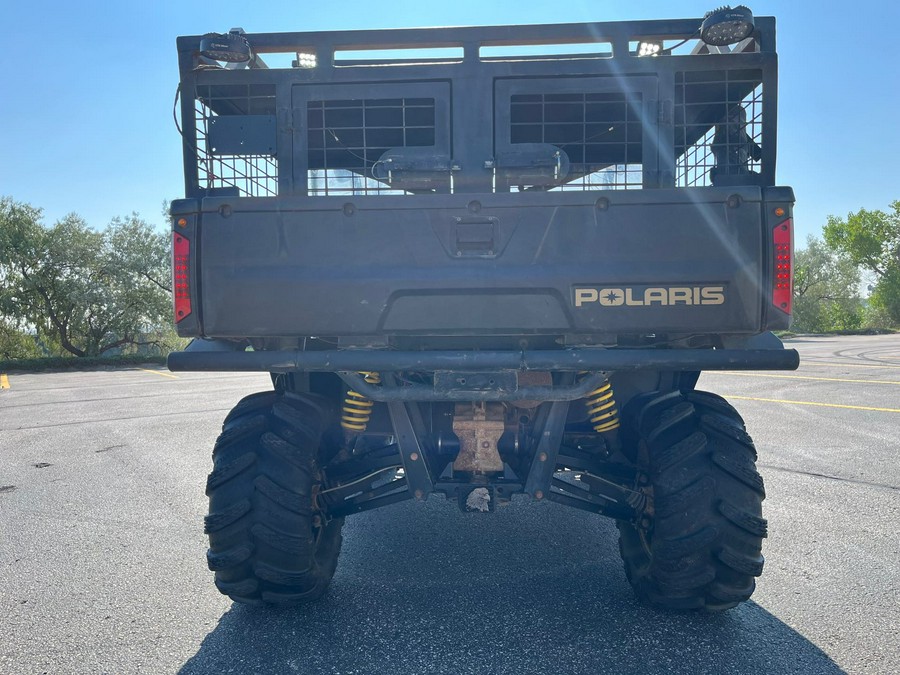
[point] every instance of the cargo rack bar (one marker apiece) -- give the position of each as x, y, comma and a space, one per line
470, 38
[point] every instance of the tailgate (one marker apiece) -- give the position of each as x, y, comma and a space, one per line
666, 260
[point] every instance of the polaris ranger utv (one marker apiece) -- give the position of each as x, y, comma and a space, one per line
485, 262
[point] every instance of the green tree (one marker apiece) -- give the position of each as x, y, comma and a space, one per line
15, 343
88, 291
871, 239
826, 289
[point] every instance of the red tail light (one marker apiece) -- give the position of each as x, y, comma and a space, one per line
181, 256
782, 288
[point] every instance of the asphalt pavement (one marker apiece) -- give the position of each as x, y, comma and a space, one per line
102, 565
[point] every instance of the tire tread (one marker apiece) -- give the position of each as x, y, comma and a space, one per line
703, 549
262, 543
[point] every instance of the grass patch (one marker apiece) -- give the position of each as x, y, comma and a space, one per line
75, 363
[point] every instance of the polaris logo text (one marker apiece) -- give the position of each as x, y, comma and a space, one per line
648, 297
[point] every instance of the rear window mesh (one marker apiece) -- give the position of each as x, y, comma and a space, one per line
600, 133
348, 138
253, 174
718, 127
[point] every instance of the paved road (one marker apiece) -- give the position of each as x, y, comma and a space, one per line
102, 551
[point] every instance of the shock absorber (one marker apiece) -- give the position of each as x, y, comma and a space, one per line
602, 409
357, 408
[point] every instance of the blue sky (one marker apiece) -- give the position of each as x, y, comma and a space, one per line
87, 88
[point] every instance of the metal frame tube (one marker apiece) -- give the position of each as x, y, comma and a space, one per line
577, 359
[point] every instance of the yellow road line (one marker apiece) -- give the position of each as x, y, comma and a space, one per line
159, 372
802, 377
804, 362
823, 405
4, 381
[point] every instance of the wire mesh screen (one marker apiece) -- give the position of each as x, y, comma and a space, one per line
223, 170
600, 133
718, 127
348, 138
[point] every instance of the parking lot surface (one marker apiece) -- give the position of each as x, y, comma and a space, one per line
102, 565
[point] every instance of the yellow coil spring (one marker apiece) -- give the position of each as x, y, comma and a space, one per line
357, 408
602, 409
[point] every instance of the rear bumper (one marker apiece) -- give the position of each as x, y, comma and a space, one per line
577, 359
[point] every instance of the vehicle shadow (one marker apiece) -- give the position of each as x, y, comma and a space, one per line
533, 588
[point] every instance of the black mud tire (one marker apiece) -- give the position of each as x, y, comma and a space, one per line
267, 542
702, 548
